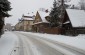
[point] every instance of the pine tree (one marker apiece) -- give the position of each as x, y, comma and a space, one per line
54, 14
57, 13
4, 8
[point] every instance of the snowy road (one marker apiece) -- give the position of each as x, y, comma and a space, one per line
34, 45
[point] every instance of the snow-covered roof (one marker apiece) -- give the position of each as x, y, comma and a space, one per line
27, 18
43, 15
24, 17
40, 22
77, 17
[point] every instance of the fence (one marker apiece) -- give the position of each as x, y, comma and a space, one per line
52, 30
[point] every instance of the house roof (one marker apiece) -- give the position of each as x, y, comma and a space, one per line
40, 22
27, 17
43, 15
77, 17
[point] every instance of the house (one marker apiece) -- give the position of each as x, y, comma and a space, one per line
17, 26
8, 27
74, 22
40, 23
25, 23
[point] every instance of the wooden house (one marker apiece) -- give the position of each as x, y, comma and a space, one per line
74, 22
40, 23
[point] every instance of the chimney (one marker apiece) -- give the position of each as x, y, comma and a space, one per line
46, 11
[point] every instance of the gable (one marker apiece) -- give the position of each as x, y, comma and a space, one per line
66, 18
43, 15
66, 21
37, 18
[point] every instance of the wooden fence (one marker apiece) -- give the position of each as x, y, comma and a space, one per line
52, 30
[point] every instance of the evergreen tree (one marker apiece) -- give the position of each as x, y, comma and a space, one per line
4, 8
57, 13
54, 14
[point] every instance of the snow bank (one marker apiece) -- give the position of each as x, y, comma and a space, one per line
78, 41
7, 43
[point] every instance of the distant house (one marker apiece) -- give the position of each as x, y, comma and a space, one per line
25, 23
40, 22
74, 22
8, 27
17, 26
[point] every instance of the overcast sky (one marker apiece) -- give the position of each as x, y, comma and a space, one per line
21, 7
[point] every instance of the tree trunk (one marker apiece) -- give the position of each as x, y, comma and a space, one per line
1, 25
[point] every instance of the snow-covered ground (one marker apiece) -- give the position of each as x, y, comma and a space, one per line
7, 43
75, 41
